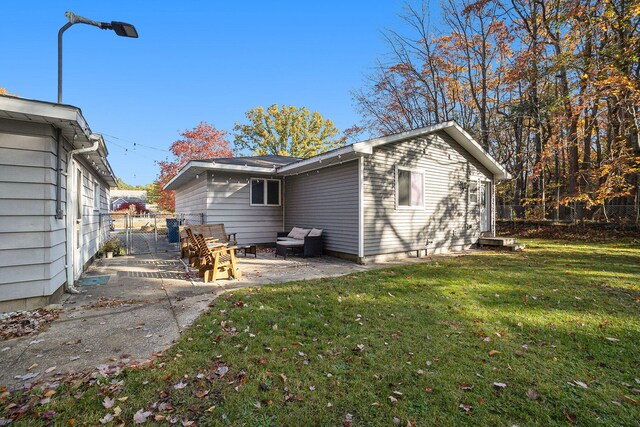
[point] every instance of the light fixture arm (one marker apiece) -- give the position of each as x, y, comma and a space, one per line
121, 29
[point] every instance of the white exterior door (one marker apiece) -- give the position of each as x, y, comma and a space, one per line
484, 199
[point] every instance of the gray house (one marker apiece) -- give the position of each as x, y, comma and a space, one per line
54, 184
425, 191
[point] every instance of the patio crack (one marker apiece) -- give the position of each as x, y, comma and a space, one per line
173, 310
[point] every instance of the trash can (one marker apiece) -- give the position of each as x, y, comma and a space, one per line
173, 233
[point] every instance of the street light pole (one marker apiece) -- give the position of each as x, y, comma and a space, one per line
121, 29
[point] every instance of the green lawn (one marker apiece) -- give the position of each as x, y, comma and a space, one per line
557, 326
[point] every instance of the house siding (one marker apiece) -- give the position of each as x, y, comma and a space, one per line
228, 203
32, 239
326, 199
447, 222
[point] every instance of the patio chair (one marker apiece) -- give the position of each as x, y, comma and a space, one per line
219, 261
195, 250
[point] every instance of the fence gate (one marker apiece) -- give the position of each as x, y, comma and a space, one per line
147, 233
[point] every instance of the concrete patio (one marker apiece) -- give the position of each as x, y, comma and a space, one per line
142, 309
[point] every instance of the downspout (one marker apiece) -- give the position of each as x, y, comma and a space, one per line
70, 225
59, 213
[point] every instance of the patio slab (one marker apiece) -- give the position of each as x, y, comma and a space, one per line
147, 301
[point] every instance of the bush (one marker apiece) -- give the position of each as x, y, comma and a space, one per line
112, 245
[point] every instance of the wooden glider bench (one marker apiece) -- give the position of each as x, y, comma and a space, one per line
214, 260
209, 232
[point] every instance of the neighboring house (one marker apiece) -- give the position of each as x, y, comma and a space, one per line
54, 184
120, 198
425, 191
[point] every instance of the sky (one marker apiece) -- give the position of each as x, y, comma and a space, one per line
193, 61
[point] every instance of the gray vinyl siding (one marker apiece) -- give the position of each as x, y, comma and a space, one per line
327, 199
32, 239
191, 198
447, 221
228, 203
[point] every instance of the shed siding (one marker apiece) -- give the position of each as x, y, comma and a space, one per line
228, 203
327, 199
448, 221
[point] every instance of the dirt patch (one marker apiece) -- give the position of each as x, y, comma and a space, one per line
23, 323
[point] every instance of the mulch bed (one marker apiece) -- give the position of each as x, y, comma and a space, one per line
576, 232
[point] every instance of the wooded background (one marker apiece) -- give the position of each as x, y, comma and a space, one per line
551, 88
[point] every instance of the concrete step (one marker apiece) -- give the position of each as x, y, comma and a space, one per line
497, 241
517, 247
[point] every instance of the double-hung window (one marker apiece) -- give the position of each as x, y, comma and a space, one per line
265, 192
409, 188
473, 191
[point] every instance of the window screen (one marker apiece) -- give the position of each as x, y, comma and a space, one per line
257, 191
273, 192
410, 187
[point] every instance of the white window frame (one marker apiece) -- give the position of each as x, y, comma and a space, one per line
397, 189
475, 181
264, 202
96, 196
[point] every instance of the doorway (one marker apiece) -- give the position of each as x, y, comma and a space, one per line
484, 198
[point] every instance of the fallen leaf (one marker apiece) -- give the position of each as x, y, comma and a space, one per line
571, 417
581, 384
359, 348
392, 399
493, 352
631, 399
108, 402
222, 370
466, 386
51, 369
500, 385
531, 394
348, 420
123, 399
465, 407
141, 416
74, 342
35, 365
106, 419
180, 385
117, 411
612, 339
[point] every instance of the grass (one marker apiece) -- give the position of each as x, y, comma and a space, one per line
546, 322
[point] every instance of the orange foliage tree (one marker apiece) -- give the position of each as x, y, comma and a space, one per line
202, 142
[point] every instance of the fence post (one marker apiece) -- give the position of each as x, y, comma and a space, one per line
155, 228
126, 233
201, 217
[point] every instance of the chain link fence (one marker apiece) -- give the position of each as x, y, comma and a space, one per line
616, 214
144, 233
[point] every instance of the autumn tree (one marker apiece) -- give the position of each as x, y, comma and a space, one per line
202, 142
551, 88
286, 131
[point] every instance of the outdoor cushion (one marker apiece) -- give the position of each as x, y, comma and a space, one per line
298, 233
284, 239
291, 243
315, 232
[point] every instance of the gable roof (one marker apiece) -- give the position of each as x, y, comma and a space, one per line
283, 165
452, 128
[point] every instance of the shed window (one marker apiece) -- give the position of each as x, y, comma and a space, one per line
473, 191
410, 188
265, 192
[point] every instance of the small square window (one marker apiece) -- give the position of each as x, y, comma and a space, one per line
410, 188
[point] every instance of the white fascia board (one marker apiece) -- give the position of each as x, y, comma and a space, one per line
319, 159
218, 167
471, 145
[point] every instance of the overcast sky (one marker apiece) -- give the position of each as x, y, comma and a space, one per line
194, 61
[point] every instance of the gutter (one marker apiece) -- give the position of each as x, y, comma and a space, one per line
71, 224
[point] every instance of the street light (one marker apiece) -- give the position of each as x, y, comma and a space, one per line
122, 29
